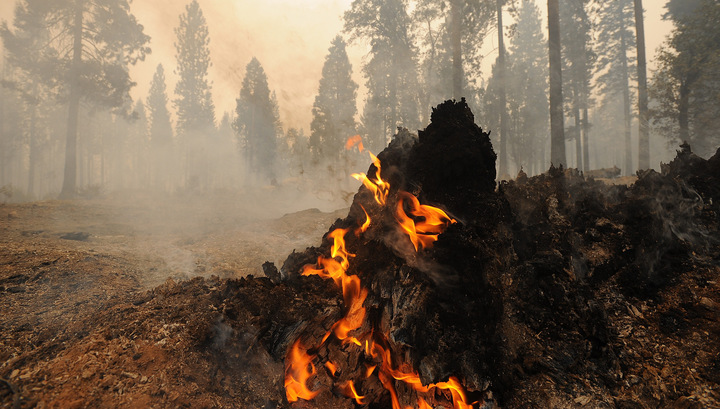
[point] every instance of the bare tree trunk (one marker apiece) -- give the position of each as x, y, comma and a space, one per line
683, 112
503, 159
626, 106
557, 126
578, 127
456, 36
69, 181
32, 153
643, 132
586, 136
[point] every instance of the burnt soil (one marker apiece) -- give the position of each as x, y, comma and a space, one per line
558, 291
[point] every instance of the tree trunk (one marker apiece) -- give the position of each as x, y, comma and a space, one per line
643, 132
69, 181
586, 136
626, 105
683, 112
456, 36
32, 152
557, 131
503, 159
578, 127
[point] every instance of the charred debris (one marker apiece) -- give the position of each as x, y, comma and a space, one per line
551, 291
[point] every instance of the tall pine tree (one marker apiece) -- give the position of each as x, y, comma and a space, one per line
687, 81
577, 72
451, 33
257, 122
161, 133
616, 63
557, 127
91, 45
391, 70
334, 109
194, 106
528, 90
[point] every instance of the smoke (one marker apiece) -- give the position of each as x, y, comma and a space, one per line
289, 38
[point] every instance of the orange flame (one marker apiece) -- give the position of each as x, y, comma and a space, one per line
350, 392
379, 187
297, 374
430, 223
331, 367
423, 224
364, 227
423, 405
354, 140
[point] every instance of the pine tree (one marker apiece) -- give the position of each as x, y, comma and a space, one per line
94, 41
616, 63
643, 112
194, 105
334, 109
577, 72
528, 90
257, 122
161, 133
390, 71
139, 144
557, 127
687, 81
451, 53
299, 151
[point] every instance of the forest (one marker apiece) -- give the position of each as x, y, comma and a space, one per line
472, 204
69, 127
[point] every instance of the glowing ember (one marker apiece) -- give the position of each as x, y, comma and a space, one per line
423, 224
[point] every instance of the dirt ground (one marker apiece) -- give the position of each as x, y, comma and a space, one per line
70, 270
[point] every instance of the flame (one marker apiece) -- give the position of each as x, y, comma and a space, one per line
354, 140
423, 224
350, 392
297, 374
364, 227
379, 187
331, 367
428, 222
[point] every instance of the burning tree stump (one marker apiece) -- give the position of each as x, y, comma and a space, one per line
505, 293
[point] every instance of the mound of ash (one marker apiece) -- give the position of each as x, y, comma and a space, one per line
551, 291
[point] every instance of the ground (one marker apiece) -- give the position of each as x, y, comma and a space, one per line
138, 302
74, 277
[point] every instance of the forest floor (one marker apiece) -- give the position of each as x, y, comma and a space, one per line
110, 303
66, 268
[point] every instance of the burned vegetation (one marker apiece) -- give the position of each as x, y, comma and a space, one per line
438, 290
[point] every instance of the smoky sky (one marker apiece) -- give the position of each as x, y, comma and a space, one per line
290, 38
